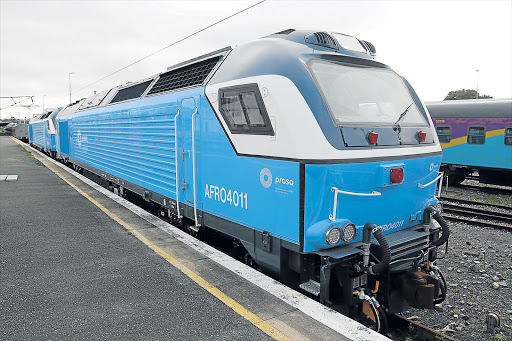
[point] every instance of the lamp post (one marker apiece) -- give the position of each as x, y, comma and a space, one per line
477, 79
69, 76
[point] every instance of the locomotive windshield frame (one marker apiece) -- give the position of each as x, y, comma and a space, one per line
360, 95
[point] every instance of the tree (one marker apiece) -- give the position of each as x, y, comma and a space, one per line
464, 94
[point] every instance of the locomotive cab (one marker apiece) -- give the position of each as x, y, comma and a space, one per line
367, 168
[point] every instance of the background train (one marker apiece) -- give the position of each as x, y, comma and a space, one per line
18, 130
476, 135
299, 151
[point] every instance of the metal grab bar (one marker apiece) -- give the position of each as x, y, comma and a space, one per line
332, 216
194, 167
438, 192
431, 182
176, 159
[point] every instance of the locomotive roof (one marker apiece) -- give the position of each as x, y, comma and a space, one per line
274, 54
471, 108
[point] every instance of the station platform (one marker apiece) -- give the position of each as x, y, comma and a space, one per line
78, 262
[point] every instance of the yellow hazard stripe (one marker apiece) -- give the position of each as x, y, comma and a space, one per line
237, 307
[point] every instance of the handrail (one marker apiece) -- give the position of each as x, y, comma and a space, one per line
176, 160
431, 182
332, 216
194, 168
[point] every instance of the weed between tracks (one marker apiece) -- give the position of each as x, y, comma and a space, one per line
29, 154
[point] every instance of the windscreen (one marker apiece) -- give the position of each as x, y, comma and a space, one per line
363, 96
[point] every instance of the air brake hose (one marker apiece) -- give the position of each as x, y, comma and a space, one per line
383, 320
444, 226
382, 265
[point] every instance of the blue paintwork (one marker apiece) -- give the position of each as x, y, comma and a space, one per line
38, 136
63, 134
135, 141
30, 132
397, 204
132, 140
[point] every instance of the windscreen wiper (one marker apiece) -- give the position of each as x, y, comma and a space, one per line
396, 126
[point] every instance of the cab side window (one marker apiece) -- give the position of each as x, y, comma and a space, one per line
243, 110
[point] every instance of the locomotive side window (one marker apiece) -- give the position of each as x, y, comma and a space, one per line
476, 135
243, 110
508, 136
444, 133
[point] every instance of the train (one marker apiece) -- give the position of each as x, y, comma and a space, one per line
42, 132
17, 130
476, 137
299, 153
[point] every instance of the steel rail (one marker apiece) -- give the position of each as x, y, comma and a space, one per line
476, 222
452, 208
417, 330
473, 202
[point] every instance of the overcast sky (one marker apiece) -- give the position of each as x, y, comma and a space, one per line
436, 45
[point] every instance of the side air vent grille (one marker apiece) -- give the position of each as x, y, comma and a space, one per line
189, 75
322, 39
371, 47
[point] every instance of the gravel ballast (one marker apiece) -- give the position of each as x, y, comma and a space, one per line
478, 269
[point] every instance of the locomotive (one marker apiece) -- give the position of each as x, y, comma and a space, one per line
315, 162
476, 137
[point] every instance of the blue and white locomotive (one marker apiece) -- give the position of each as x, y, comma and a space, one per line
42, 134
317, 162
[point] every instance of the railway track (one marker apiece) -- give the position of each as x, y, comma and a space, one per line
486, 189
416, 330
465, 211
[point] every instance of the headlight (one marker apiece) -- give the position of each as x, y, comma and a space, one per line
333, 235
349, 232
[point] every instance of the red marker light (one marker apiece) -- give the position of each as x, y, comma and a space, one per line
396, 175
373, 137
422, 136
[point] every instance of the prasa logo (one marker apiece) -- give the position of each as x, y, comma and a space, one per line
266, 179
284, 181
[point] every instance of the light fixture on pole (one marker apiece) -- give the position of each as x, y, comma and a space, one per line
69, 76
477, 79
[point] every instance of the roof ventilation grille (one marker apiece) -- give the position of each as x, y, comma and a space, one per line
322, 39
371, 47
189, 75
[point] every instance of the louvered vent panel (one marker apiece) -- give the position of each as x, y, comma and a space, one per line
322, 39
190, 75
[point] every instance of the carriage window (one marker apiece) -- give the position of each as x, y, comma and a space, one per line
243, 110
476, 135
444, 134
508, 136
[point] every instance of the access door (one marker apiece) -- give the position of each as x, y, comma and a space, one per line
188, 151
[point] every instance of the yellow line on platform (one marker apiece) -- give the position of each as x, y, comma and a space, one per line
237, 307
